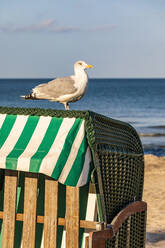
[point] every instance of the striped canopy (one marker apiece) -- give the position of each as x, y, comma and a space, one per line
56, 147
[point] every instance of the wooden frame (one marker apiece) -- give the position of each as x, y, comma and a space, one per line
100, 231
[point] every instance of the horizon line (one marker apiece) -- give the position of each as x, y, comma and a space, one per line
2, 78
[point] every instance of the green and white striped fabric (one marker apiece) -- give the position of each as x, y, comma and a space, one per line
56, 147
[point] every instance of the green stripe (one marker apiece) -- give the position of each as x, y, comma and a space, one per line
11, 160
6, 128
66, 149
78, 165
46, 144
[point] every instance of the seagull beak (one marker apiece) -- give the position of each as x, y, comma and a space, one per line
89, 66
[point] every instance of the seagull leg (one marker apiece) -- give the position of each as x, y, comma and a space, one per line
66, 106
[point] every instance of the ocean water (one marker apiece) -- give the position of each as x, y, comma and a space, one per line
141, 102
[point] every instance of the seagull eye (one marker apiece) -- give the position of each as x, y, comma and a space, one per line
80, 63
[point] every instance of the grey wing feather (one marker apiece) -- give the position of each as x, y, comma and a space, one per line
56, 88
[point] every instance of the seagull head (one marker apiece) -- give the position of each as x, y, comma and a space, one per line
81, 65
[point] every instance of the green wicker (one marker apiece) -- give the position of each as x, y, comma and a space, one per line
118, 167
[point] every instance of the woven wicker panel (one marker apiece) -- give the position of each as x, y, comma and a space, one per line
120, 165
138, 230
123, 236
121, 178
120, 171
116, 133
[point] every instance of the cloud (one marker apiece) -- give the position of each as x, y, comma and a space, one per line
51, 26
48, 23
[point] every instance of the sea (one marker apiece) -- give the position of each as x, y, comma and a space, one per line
140, 102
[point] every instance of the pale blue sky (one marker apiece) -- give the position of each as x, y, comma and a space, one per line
121, 38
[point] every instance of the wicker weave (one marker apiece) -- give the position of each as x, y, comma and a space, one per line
118, 168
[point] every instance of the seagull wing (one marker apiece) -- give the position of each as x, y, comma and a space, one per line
55, 88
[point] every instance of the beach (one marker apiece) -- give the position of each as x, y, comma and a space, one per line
154, 192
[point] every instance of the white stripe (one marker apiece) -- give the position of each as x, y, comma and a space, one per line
2, 118
49, 161
63, 242
12, 138
36, 139
90, 213
73, 153
85, 171
42, 240
91, 207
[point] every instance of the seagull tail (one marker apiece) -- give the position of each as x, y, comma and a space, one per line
30, 96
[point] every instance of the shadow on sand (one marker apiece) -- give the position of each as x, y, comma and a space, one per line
154, 237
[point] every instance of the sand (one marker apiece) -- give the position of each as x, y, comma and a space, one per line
154, 195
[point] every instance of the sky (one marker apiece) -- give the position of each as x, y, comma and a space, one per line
120, 38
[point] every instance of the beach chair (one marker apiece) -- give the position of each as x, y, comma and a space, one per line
69, 179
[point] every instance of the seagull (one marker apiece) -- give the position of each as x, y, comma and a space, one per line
65, 89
